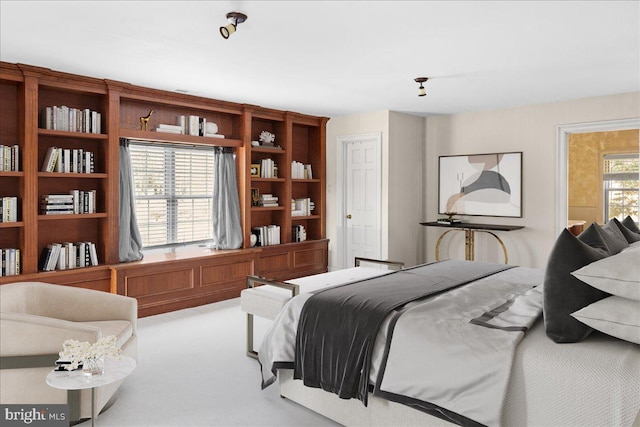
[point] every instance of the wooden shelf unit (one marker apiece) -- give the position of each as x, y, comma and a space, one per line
27, 90
13, 108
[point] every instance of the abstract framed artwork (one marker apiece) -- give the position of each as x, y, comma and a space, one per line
481, 184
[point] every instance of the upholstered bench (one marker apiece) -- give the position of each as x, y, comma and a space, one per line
268, 299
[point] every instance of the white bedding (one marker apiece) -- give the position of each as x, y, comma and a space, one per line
545, 379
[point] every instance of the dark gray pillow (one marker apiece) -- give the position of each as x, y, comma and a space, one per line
564, 294
594, 237
631, 224
628, 234
614, 238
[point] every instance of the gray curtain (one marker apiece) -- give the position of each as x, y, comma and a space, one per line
227, 231
130, 245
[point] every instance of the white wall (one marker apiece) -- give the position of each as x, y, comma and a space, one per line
532, 130
402, 182
345, 126
406, 188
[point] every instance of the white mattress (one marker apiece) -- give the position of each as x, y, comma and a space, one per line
592, 383
595, 382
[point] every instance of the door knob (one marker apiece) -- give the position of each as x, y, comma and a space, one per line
349, 216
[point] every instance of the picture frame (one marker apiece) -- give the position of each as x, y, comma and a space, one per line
255, 197
480, 184
255, 170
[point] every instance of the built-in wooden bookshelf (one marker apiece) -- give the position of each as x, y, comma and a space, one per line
26, 91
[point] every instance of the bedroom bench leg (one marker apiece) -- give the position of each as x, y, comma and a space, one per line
250, 351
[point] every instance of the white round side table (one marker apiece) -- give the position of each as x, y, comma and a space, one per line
114, 370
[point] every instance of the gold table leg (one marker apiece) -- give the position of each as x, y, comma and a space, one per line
469, 243
438, 243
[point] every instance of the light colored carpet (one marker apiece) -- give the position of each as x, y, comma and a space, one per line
192, 371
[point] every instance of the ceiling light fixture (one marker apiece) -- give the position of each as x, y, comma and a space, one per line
421, 89
234, 19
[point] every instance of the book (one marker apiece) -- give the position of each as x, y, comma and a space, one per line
45, 257
173, 131
15, 158
193, 125
94, 254
202, 126
53, 259
49, 162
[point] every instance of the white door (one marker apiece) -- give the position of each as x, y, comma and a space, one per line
361, 197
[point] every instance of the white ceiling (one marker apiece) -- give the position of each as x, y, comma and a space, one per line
334, 58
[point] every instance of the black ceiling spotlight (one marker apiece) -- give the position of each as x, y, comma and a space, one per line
421, 89
234, 19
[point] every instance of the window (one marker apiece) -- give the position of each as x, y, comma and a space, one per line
173, 187
620, 186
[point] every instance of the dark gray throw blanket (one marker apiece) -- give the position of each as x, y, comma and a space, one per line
338, 326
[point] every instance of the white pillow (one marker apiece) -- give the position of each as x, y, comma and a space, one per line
618, 274
615, 316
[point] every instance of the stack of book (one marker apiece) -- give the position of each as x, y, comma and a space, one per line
268, 200
177, 129
267, 235
8, 209
298, 233
301, 171
65, 256
449, 221
302, 207
71, 119
268, 169
67, 160
9, 158
196, 126
76, 202
57, 204
10, 258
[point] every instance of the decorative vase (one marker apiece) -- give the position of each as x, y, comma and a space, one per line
93, 366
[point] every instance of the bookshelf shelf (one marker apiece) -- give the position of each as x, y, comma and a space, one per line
303, 218
15, 174
74, 135
268, 150
267, 208
147, 135
302, 181
70, 217
256, 179
71, 175
18, 224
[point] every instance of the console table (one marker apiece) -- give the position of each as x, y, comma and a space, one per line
469, 235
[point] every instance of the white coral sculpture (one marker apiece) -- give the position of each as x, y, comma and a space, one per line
77, 352
267, 136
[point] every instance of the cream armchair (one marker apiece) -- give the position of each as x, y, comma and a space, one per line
36, 318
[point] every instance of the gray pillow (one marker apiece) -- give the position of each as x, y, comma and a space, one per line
628, 234
594, 236
564, 294
614, 238
631, 224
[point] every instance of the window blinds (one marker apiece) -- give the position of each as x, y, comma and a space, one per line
173, 189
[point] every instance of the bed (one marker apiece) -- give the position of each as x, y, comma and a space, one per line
477, 352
